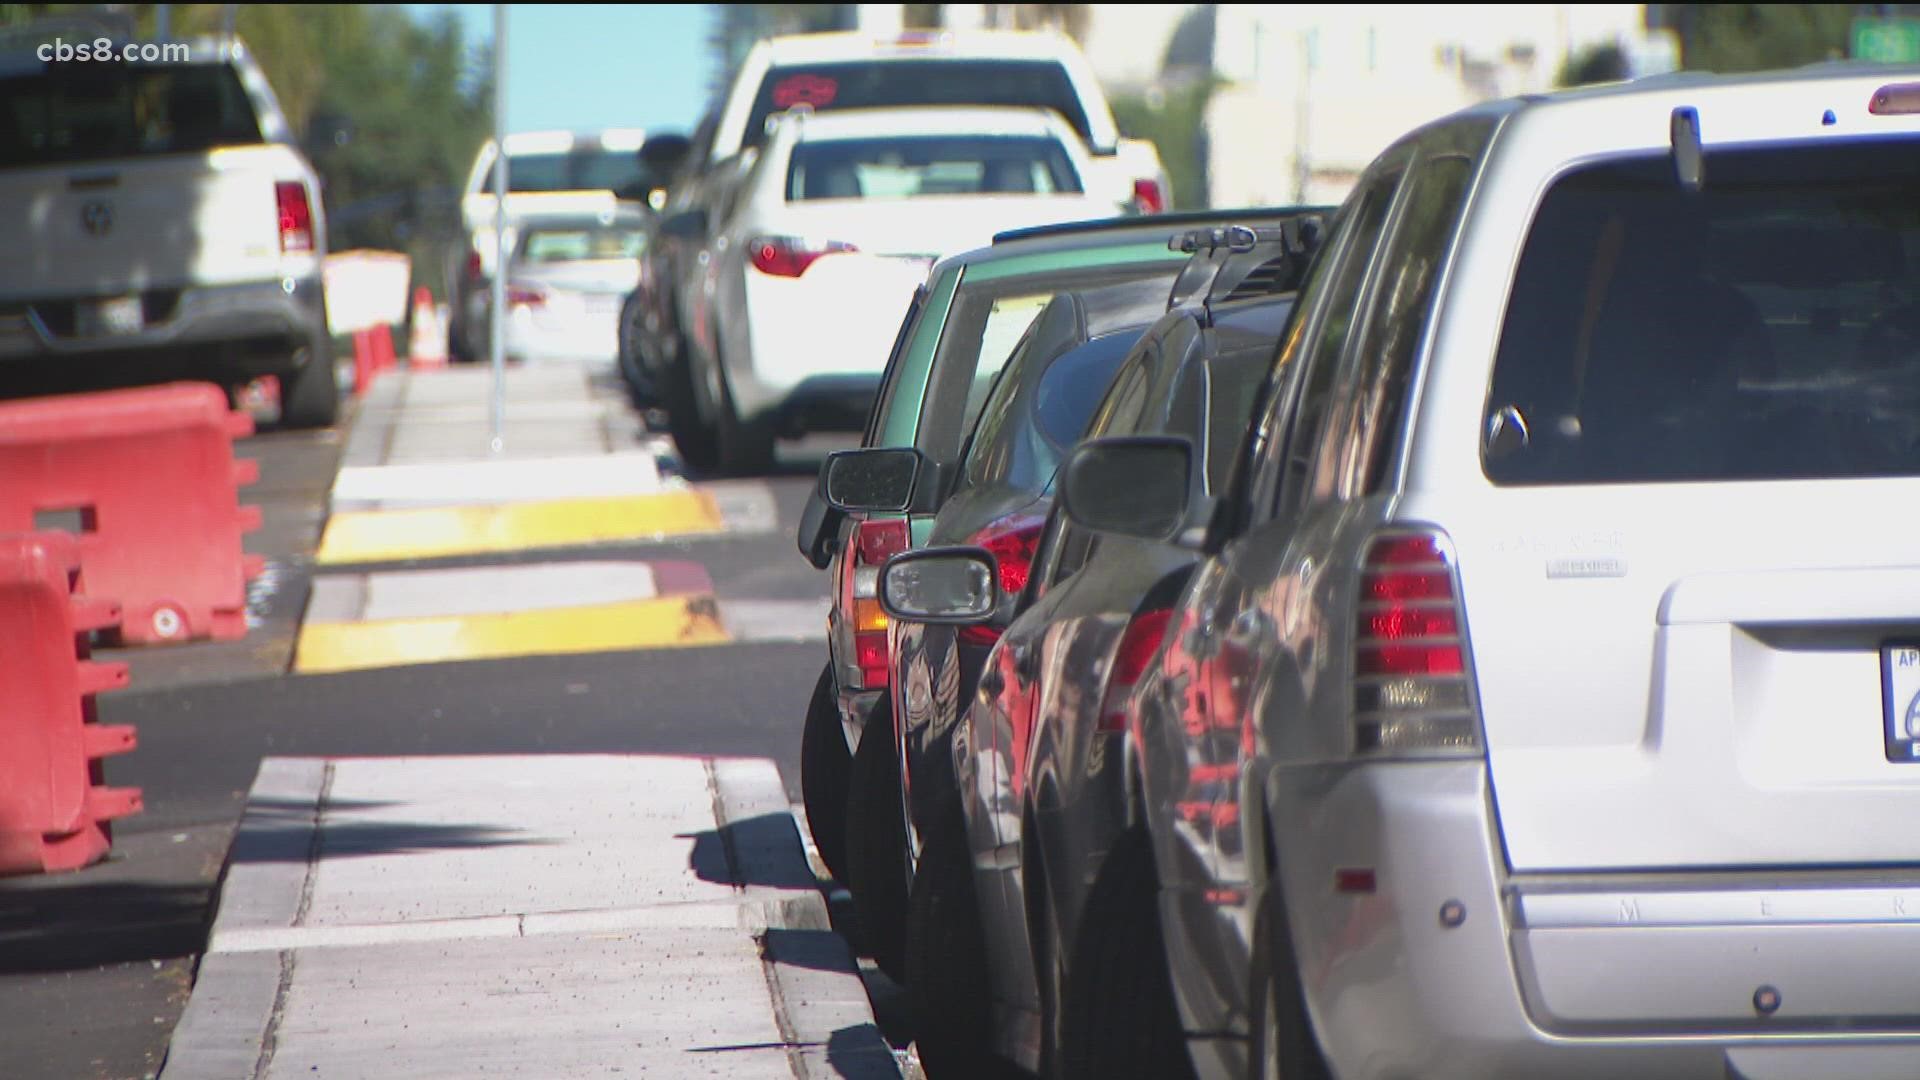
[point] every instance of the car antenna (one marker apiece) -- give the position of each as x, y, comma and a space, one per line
1689, 160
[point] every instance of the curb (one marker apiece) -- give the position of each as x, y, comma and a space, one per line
819, 1000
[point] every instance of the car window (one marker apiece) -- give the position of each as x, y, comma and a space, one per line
90, 112
1765, 327
1310, 447
924, 166
1396, 326
890, 379
867, 84
1033, 418
587, 168
580, 244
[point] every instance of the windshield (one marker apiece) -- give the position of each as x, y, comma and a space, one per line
91, 112
1767, 327
920, 166
878, 84
587, 169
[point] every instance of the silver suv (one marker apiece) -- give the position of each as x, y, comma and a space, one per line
1548, 702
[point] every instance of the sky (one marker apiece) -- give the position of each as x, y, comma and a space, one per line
579, 67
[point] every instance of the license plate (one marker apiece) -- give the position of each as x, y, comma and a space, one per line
1900, 683
120, 315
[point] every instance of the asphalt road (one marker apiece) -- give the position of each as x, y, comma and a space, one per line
95, 967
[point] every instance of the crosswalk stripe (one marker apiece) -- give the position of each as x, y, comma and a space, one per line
397, 535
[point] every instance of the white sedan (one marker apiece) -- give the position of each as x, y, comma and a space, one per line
831, 227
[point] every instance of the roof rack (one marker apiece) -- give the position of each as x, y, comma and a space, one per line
1238, 261
1175, 220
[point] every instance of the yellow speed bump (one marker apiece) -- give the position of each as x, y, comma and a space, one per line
661, 623
363, 536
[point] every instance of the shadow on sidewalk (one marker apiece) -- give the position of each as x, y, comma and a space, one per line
85, 924
757, 851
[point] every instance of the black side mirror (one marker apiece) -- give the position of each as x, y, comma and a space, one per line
685, 225
1136, 486
664, 155
819, 531
877, 480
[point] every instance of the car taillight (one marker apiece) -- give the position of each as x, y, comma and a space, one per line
296, 215
1411, 692
1012, 542
1147, 196
526, 296
874, 542
789, 256
476, 270
1137, 648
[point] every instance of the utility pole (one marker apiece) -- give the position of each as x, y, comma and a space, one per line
497, 317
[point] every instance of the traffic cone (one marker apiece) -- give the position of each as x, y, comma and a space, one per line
427, 348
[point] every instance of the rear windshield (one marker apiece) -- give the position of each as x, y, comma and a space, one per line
92, 112
1029, 424
1767, 327
920, 166
880, 84
618, 171
581, 243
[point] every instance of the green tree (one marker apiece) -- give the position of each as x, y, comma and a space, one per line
1758, 37
1601, 63
1173, 119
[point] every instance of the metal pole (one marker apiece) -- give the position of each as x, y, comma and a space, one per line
496, 331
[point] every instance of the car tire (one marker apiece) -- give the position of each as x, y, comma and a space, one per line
697, 441
948, 985
1120, 1018
309, 396
633, 372
825, 765
877, 843
1283, 1045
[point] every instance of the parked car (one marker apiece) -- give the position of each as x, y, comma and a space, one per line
567, 278
825, 73
548, 172
817, 248
957, 333
1555, 654
1010, 849
161, 225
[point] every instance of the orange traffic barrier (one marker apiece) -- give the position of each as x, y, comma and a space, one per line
148, 480
55, 808
427, 346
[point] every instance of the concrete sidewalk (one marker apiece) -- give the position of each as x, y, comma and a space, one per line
550, 916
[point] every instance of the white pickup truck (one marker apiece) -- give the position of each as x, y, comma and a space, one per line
158, 224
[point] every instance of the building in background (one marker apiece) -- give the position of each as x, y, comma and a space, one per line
1311, 93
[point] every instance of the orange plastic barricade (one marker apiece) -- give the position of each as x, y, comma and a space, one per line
148, 479
54, 808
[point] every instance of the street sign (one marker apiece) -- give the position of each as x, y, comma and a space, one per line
1890, 39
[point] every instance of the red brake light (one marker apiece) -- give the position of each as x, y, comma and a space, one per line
525, 296
1410, 660
1147, 196
1012, 542
873, 543
1136, 649
475, 268
296, 215
877, 541
788, 256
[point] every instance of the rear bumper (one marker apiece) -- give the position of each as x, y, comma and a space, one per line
256, 328
1574, 980
818, 344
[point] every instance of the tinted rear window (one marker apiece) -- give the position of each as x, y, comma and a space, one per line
920, 166
581, 243
1767, 327
97, 111
879, 84
1030, 423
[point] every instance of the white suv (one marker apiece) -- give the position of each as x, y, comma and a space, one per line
159, 224
1546, 707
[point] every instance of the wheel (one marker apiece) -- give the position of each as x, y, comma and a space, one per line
309, 397
824, 767
948, 985
877, 843
633, 372
1283, 1047
1120, 1018
698, 442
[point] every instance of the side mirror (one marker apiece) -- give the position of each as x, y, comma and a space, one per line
878, 480
665, 154
952, 585
819, 530
685, 225
1134, 487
